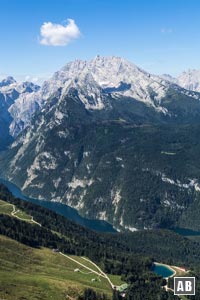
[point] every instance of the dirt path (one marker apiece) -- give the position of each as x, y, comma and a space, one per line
101, 273
104, 274
14, 212
33, 221
82, 265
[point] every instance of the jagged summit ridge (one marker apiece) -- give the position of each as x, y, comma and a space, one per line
111, 72
190, 80
7, 81
10, 91
92, 78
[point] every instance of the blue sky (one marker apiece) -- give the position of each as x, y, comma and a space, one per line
161, 36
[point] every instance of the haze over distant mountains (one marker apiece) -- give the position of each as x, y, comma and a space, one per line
109, 139
189, 80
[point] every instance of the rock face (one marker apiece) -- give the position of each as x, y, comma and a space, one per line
189, 80
92, 79
110, 140
10, 92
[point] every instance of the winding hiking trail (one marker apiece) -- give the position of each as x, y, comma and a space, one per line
175, 269
104, 274
101, 273
14, 212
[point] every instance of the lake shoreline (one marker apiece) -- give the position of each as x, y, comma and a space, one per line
167, 267
62, 209
73, 214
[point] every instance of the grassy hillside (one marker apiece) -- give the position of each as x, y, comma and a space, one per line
11, 210
28, 273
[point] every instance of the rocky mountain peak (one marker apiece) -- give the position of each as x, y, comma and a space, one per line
93, 79
190, 80
7, 81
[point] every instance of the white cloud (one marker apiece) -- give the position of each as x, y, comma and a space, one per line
27, 78
59, 35
34, 79
166, 30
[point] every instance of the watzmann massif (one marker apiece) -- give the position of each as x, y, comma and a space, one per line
108, 139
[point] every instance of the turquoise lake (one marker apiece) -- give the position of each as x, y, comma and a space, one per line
164, 271
62, 209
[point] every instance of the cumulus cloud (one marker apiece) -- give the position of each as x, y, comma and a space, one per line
57, 34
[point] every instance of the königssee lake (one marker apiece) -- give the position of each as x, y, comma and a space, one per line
62, 209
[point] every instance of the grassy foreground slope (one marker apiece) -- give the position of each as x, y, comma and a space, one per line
29, 273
